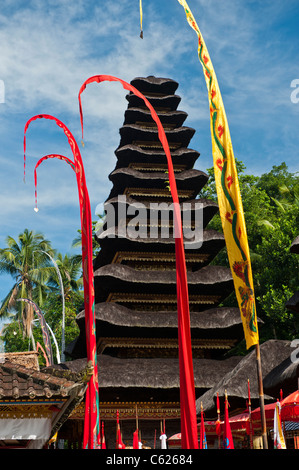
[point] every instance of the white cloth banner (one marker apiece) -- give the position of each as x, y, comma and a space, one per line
31, 429
163, 439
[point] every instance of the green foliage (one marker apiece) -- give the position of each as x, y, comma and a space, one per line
26, 261
271, 211
30, 262
13, 333
96, 225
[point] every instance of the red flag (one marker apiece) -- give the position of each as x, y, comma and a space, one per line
92, 417
187, 389
136, 433
135, 440
119, 442
227, 438
218, 426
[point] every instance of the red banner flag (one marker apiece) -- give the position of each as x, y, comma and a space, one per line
187, 390
119, 442
227, 438
135, 440
91, 436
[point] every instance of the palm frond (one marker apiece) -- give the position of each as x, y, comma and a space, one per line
7, 304
266, 224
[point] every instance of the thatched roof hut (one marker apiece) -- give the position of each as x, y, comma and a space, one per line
235, 382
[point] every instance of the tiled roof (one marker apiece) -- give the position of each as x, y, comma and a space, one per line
18, 381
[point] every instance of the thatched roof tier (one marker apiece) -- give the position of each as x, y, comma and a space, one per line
295, 246
153, 84
285, 376
191, 181
133, 153
210, 281
143, 117
115, 320
235, 382
152, 373
122, 204
137, 134
161, 103
213, 323
115, 245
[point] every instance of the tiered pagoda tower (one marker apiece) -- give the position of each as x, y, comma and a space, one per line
135, 277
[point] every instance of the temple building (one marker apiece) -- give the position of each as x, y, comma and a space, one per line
135, 277
34, 404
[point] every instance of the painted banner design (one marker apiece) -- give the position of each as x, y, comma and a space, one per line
228, 192
278, 437
187, 390
91, 437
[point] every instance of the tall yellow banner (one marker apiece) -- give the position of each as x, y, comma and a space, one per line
228, 193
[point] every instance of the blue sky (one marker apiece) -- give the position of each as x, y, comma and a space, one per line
49, 48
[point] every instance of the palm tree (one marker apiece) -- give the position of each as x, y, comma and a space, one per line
66, 280
26, 261
70, 268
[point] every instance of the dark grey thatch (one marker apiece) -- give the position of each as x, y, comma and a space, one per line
128, 153
170, 102
193, 204
153, 372
152, 84
122, 178
131, 133
190, 211
236, 381
174, 118
221, 318
210, 280
113, 319
285, 376
114, 240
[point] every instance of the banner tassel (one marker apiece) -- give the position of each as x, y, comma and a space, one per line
141, 15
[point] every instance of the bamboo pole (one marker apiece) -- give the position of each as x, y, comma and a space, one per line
250, 420
261, 395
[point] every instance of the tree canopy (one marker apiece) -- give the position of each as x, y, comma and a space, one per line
271, 210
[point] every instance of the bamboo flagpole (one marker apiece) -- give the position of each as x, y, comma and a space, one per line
231, 208
250, 420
